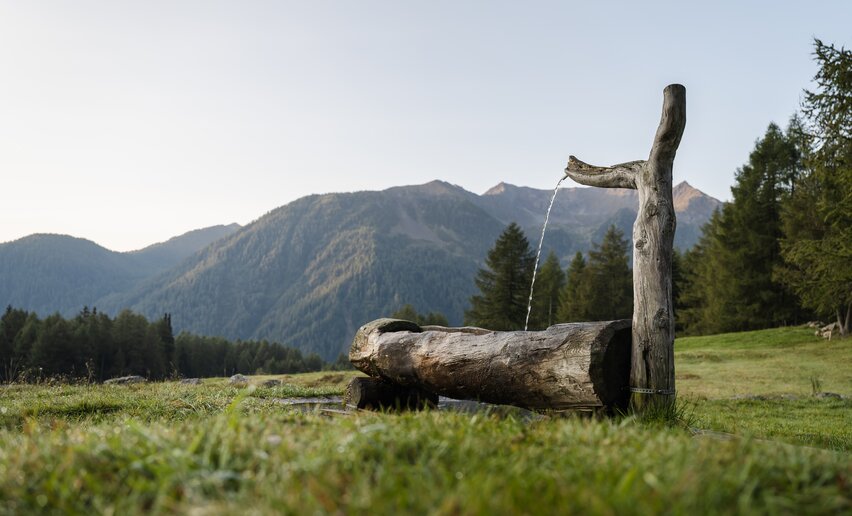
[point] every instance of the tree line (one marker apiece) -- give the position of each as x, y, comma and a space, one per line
597, 287
96, 347
779, 253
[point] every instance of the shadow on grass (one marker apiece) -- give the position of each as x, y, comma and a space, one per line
76, 410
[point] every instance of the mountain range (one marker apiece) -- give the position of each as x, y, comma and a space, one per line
309, 273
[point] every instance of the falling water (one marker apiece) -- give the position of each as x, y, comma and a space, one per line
538, 254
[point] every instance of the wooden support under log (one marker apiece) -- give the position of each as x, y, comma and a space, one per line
568, 366
377, 394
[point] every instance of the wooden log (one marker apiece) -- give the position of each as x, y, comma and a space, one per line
377, 394
652, 374
567, 366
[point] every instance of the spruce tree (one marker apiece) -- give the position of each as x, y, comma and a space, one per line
574, 295
695, 306
503, 284
550, 280
817, 216
610, 290
729, 276
11, 325
54, 352
749, 237
167, 339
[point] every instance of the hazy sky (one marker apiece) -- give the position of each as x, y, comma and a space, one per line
130, 122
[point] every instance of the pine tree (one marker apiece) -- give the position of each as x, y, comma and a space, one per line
11, 325
549, 283
504, 283
54, 352
695, 304
138, 345
817, 243
610, 290
678, 282
729, 275
749, 237
574, 295
167, 339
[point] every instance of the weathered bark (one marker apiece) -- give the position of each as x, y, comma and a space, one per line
567, 366
652, 376
375, 394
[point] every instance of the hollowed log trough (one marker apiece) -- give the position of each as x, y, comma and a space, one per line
574, 366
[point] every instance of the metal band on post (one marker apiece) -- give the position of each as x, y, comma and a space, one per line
641, 390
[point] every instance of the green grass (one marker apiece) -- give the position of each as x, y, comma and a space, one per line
447, 463
214, 448
778, 365
820, 423
770, 362
167, 401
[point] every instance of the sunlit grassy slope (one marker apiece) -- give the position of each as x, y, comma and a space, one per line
770, 362
214, 448
762, 383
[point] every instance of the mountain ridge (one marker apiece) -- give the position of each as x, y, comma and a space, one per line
50, 272
310, 272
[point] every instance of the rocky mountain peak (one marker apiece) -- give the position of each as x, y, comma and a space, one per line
684, 194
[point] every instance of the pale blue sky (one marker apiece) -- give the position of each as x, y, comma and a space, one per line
130, 122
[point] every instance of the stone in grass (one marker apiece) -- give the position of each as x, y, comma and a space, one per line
191, 381
125, 380
377, 394
272, 382
238, 380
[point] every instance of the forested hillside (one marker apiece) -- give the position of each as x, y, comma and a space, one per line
162, 256
48, 273
311, 272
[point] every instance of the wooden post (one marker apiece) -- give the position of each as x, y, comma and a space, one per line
652, 376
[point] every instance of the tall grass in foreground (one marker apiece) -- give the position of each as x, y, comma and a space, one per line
213, 448
270, 461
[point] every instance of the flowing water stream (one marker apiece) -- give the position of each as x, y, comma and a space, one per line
538, 254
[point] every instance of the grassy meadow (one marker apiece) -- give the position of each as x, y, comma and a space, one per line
754, 441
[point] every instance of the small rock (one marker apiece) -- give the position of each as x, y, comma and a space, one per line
238, 379
125, 380
271, 383
191, 381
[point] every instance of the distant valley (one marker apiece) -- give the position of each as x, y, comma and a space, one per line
309, 273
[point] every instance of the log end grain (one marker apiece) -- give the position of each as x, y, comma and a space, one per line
378, 394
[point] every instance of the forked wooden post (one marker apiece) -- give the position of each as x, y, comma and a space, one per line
652, 375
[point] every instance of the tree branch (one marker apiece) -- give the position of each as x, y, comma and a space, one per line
672, 122
622, 175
